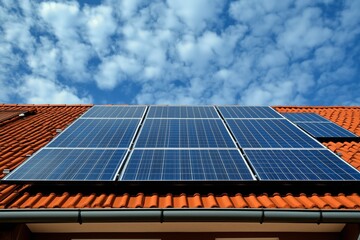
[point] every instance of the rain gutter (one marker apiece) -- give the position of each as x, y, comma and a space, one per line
178, 215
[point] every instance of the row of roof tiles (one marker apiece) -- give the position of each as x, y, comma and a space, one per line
21, 137
140, 200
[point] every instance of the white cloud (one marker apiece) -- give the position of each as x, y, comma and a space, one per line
201, 52
41, 90
115, 70
63, 18
196, 14
100, 27
303, 32
46, 59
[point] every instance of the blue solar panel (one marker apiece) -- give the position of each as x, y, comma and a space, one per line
182, 112
317, 126
184, 133
248, 112
269, 133
115, 112
182, 165
328, 129
300, 165
304, 117
97, 133
70, 165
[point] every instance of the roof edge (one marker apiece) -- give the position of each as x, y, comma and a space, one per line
178, 215
45, 105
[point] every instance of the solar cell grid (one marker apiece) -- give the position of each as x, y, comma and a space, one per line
317, 126
306, 165
325, 129
184, 133
182, 112
248, 112
182, 165
98, 133
70, 164
305, 117
115, 112
269, 133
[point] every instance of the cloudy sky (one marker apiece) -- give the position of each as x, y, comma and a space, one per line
249, 52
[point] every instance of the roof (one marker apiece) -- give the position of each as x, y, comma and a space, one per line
22, 136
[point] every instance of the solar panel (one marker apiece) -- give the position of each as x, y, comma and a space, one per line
115, 112
184, 133
182, 112
317, 126
269, 133
182, 165
300, 165
248, 112
329, 129
304, 117
98, 133
70, 164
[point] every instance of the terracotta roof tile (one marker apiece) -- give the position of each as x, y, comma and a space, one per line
22, 137
253, 201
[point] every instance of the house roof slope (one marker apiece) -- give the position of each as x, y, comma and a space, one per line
23, 136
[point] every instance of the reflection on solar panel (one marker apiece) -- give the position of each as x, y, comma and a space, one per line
269, 133
70, 164
304, 117
98, 133
248, 112
325, 129
182, 112
184, 133
115, 112
300, 165
317, 126
189, 165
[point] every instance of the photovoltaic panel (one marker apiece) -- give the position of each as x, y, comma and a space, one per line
269, 133
70, 165
184, 133
115, 112
97, 133
300, 165
317, 126
304, 117
248, 112
329, 129
182, 112
182, 165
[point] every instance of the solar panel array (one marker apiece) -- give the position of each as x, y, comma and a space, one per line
185, 143
93, 148
302, 164
318, 126
186, 164
278, 150
269, 133
184, 133
248, 112
182, 112
71, 164
98, 133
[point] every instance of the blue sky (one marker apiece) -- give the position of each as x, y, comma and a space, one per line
247, 52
